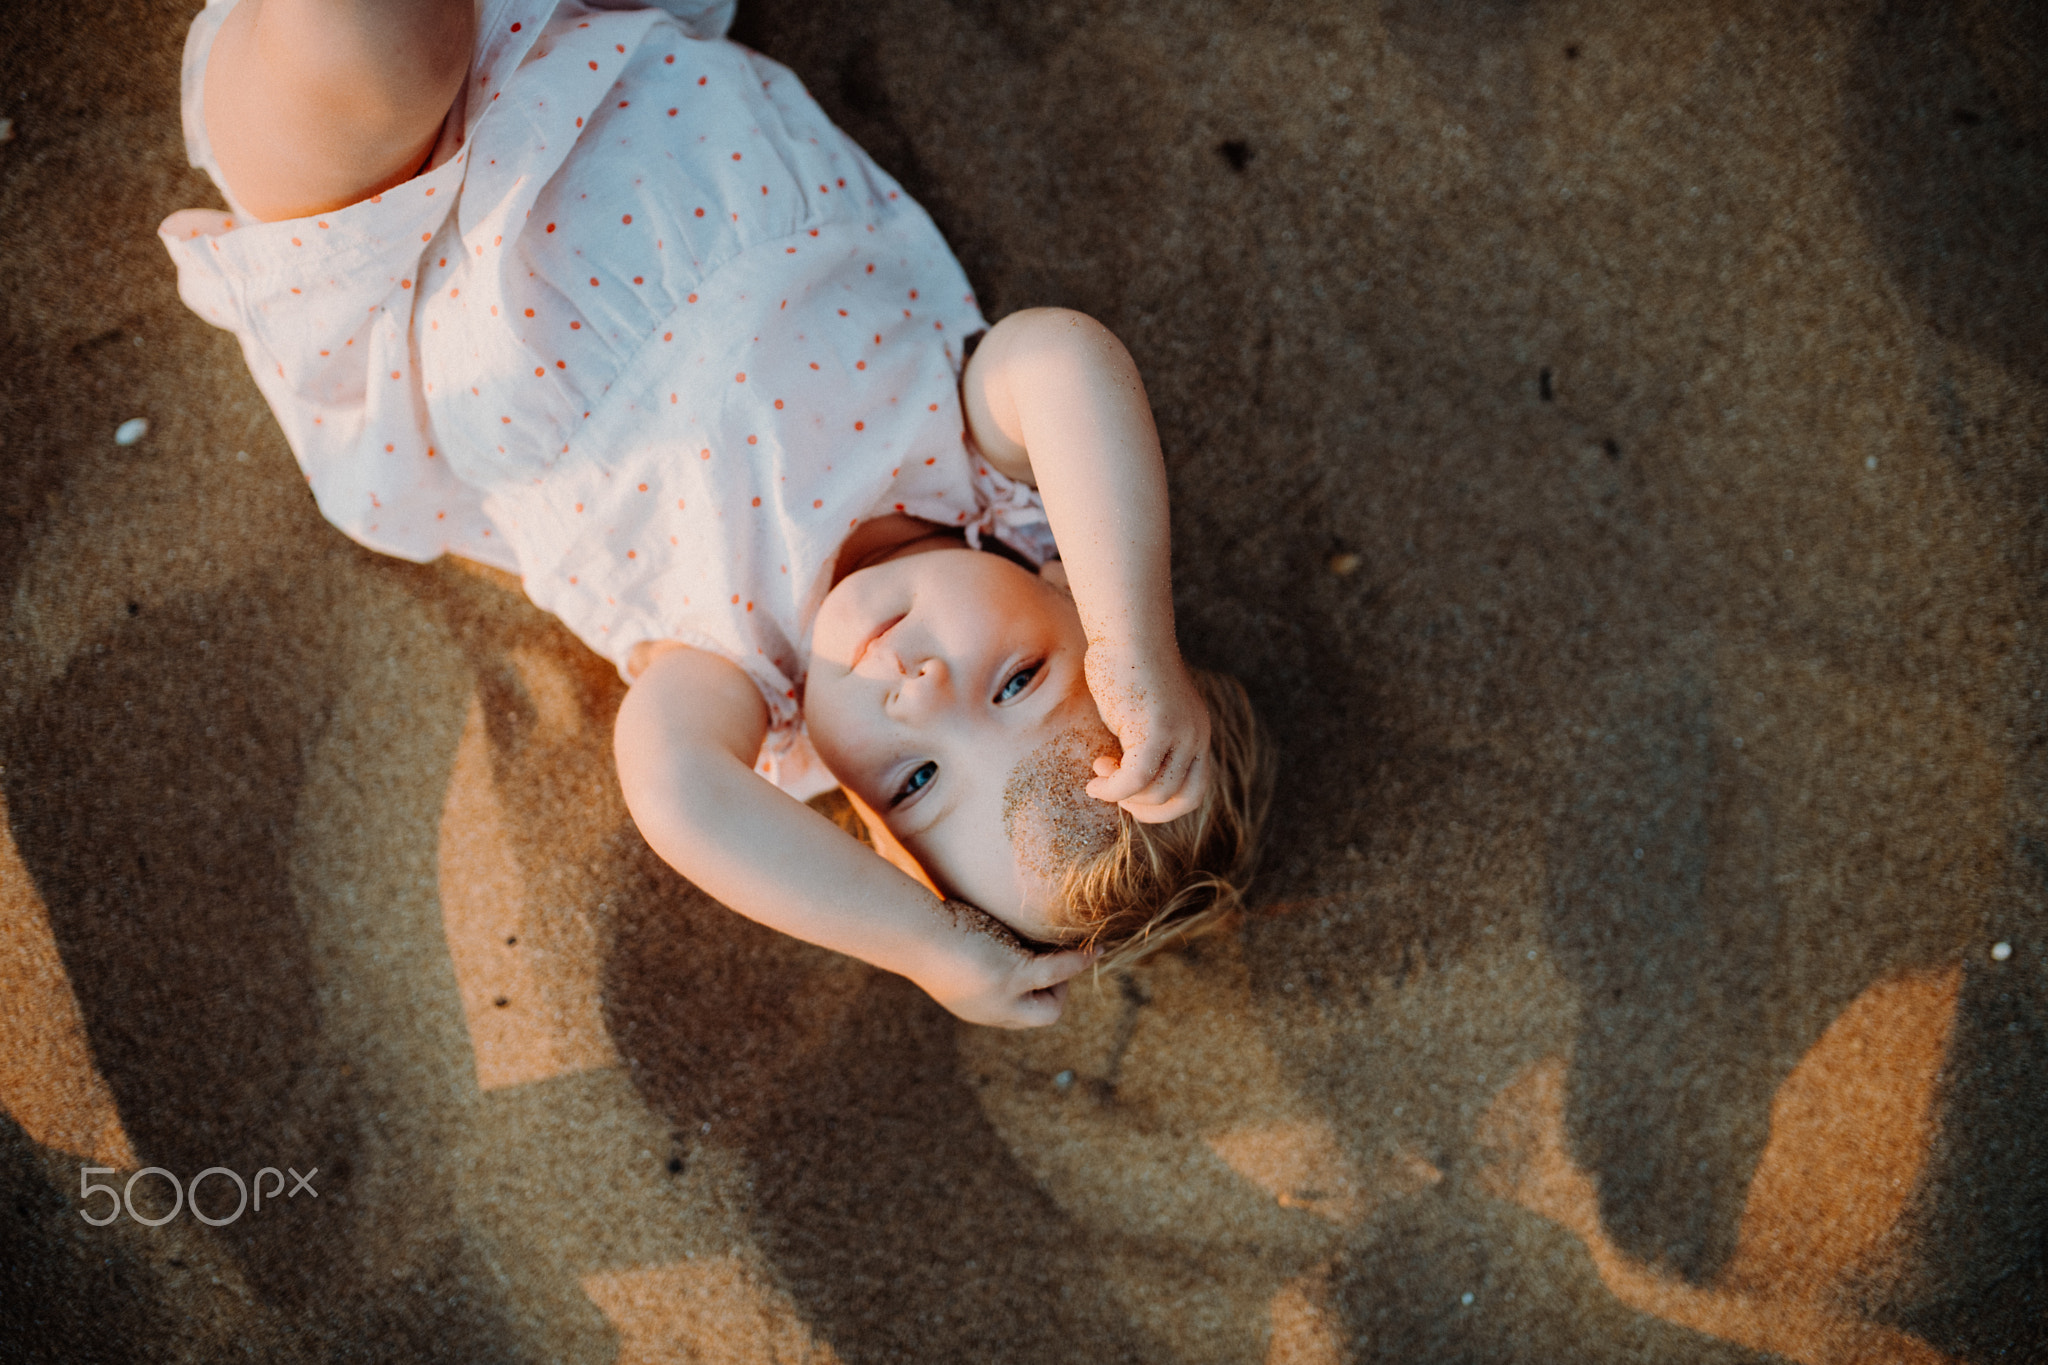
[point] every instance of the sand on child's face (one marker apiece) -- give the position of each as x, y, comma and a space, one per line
1051, 820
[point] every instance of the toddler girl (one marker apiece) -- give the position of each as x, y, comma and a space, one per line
596, 297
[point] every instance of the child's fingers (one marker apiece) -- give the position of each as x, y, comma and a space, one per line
1166, 782
1054, 969
1156, 808
1138, 769
1038, 1009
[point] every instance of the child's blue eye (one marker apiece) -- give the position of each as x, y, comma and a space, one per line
916, 782
1017, 683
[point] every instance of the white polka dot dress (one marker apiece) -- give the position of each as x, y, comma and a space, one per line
651, 333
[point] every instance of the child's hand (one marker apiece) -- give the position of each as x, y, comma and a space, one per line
1153, 709
990, 977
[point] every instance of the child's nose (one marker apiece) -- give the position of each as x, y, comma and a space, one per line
924, 686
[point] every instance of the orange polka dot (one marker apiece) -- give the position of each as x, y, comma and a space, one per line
671, 113
575, 326
629, 217
561, 364
817, 502
778, 405
538, 372
638, 280
700, 213
551, 227
632, 554
740, 378
860, 426
643, 488
757, 503
860, 364
668, 336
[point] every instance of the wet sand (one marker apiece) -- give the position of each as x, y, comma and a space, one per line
1611, 444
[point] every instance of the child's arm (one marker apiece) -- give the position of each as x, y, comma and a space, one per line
312, 105
685, 742
1053, 399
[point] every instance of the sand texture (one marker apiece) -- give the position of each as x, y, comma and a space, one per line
1609, 440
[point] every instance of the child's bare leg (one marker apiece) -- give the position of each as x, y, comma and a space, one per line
312, 105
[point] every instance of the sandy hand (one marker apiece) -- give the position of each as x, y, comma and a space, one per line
990, 976
1157, 716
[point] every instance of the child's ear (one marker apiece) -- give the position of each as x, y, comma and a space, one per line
1054, 572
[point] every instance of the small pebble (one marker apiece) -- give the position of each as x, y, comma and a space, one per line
1466, 1298
1344, 563
1870, 461
131, 431
2000, 951
1064, 1079
241, 457
6, 130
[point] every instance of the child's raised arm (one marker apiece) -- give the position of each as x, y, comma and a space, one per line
312, 105
685, 742
1054, 399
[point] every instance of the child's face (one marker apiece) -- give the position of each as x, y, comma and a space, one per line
946, 692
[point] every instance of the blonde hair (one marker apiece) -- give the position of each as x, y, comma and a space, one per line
1156, 885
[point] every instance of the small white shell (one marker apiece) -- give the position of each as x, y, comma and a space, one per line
131, 431
2000, 951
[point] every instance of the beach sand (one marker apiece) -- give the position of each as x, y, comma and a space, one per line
1609, 441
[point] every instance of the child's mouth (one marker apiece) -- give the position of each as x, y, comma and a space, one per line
865, 645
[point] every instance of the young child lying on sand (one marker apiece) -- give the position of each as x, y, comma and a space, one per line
599, 298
